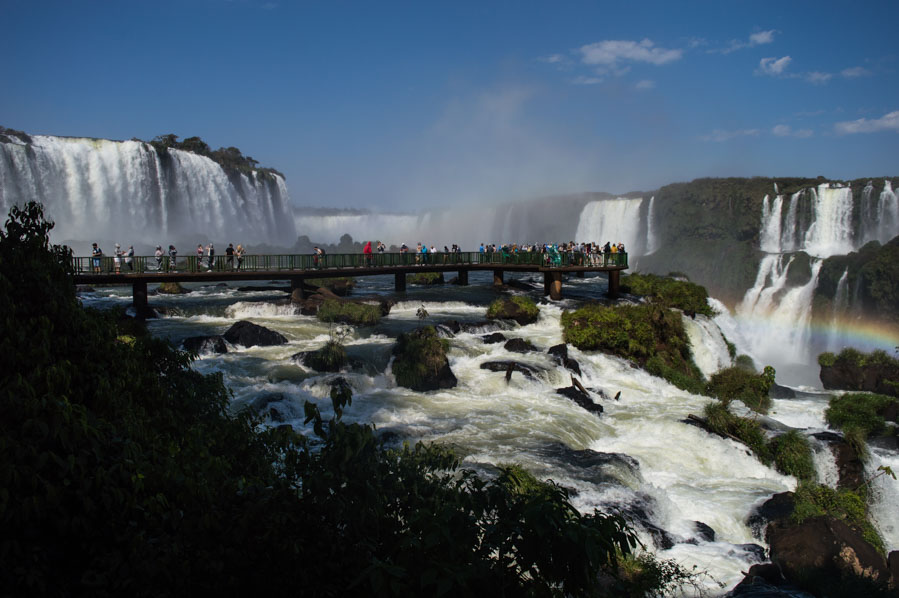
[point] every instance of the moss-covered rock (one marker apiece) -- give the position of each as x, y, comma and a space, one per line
426, 278
669, 292
172, 288
420, 361
521, 309
648, 335
341, 286
874, 372
862, 411
330, 358
348, 312
738, 383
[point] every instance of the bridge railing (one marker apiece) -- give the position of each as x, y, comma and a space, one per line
349, 261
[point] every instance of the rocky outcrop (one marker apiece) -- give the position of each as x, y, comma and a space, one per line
849, 373
581, 398
560, 352
778, 508
519, 345
420, 361
491, 339
249, 334
821, 549
850, 467
205, 344
519, 309
330, 358
529, 371
171, 288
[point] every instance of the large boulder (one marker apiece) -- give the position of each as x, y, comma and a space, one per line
778, 508
491, 339
519, 345
420, 361
529, 371
581, 398
824, 550
560, 352
851, 370
521, 309
850, 466
330, 358
172, 288
205, 344
249, 334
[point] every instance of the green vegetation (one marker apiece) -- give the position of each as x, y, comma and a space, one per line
738, 383
229, 158
123, 473
669, 292
860, 411
519, 308
420, 354
745, 362
426, 278
813, 500
340, 283
790, 453
826, 360
329, 358
347, 312
650, 336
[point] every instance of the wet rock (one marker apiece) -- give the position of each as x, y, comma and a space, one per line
846, 374
519, 345
83, 288
824, 548
491, 339
269, 406
850, 467
205, 344
581, 398
704, 532
172, 288
560, 352
593, 466
529, 371
420, 361
519, 309
250, 335
763, 581
330, 358
893, 565
781, 392
754, 552
777, 508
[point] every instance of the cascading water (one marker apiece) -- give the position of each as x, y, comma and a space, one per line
652, 244
880, 216
125, 191
614, 220
707, 344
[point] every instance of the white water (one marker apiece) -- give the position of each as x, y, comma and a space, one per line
122, 191
831, 233
880, 216
613, 220
707, 344
652, 243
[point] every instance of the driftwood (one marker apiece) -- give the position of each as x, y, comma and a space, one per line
509, 371
576, 383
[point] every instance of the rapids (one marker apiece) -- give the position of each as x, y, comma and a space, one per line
648, 464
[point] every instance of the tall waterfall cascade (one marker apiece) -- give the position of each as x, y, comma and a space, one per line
618, 220
821, 221
125, 191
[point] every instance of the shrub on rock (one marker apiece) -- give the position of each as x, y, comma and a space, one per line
347, 312
249, 334
521, 309
420, 361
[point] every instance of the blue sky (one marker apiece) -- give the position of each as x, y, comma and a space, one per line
409, 105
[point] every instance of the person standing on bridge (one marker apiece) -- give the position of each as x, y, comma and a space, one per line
199, 256
159, 258
173, 258
97, 257
239, 253
229, 256
366, 252
210, 256
129, 258
117, 259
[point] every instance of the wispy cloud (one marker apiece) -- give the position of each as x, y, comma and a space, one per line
856, 71
817, 78
719, 135
774, 66
759, 38
788, 131
887, 122
583, 80
610, 55
645, 84
553, 58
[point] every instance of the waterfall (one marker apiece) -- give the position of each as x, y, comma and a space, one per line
880, 216
125, 191
840, 303
789, 229
831, 233
615, 220
770, 237
652, 244
707, 344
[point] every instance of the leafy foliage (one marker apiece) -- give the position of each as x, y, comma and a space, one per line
329, 358
651, 336
793, 455
813, 500
359, 314
426, 278
671, 293
862, 411
123, 473
420, 354
743, 385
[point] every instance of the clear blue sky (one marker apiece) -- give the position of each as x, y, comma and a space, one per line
408, 105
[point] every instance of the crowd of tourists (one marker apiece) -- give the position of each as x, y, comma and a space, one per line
168, 260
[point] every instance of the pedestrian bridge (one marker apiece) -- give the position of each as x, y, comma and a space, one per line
297, 268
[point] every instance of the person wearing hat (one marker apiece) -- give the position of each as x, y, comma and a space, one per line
97, 254
159, 258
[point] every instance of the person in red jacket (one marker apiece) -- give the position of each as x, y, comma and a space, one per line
367, 252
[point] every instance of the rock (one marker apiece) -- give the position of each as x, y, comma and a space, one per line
560, 352
491, 339
777, 508
849, 465
205, 344
762, 581
529, 371
172, 288
266, 407
420, 361
893, 564
704, 532
582, 399
845, 374
330, 358
83, 288
520, 309
781, 392
519, 345
822, 548
754, 551
250, 335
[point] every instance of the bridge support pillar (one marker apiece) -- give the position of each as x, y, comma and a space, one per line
139, 299
552, 285
297, 291
580, 273
463, 277
400, 282
498, 278
614, 283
